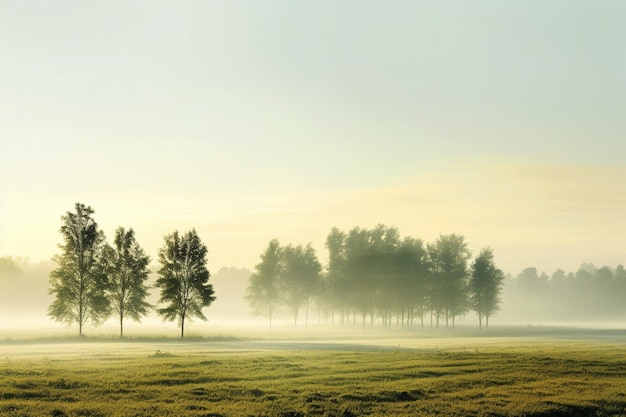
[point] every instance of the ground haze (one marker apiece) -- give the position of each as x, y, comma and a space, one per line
287, 376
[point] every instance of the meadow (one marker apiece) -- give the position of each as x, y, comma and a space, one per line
504, 376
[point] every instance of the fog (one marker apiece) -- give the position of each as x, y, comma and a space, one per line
532, 303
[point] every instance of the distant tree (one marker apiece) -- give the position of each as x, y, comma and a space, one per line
531, 282
184, 278
410, 271
362, 279
79, 283
127, 268
300, 278
231, 284
264, 293
374, 272
8, 267
485, 286
448, 258
335, 280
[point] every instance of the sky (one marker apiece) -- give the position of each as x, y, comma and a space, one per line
254, 120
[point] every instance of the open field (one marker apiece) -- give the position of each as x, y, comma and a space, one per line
505, 376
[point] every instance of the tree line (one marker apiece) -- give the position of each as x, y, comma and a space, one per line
372, 276
376, 275
589, 293
94, 280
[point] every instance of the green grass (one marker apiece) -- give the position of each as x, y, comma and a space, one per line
466, 377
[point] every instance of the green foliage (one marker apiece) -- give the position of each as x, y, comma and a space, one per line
448, 257
485, 286
183, 278
264, 294
334, 289
375, 272
79, 283
286, 276
126, 265
300, 277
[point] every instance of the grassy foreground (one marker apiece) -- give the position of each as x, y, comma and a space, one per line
508, 378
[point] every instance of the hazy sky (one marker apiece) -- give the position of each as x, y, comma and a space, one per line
504, 121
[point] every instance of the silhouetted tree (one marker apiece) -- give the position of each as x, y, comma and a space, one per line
361, 272
410, 270
184, 278
300, 278
8, 267
448, 258
336, 275
264, 293
530, 281
79, 283
373, 271
126, 265
485, 286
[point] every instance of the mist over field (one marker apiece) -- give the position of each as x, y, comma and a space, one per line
312, 208
530, 300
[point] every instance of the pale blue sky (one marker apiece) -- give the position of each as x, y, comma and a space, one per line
258, 119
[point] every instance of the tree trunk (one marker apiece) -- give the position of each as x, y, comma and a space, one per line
81, 316
306, 317
270, 316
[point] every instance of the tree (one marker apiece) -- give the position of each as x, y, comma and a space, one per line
409, 270
485, 286
184, 278
263, 293
300, 278
78, 283
448, 258
9, 268
362, 259
336, 277
127, 268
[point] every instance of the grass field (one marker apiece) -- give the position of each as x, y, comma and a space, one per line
407, 377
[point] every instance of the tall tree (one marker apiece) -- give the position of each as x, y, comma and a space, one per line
448, 259
361, 272
127, 268
184, 278
336, 277
485, 286
300, 278
78, 283
409, 269
263, 293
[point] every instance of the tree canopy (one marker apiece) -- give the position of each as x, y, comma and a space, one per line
264, 294
126, 266
485, 286
183, 278
79, 283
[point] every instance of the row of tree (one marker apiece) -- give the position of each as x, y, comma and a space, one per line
376, 274
94, 280
589, 293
